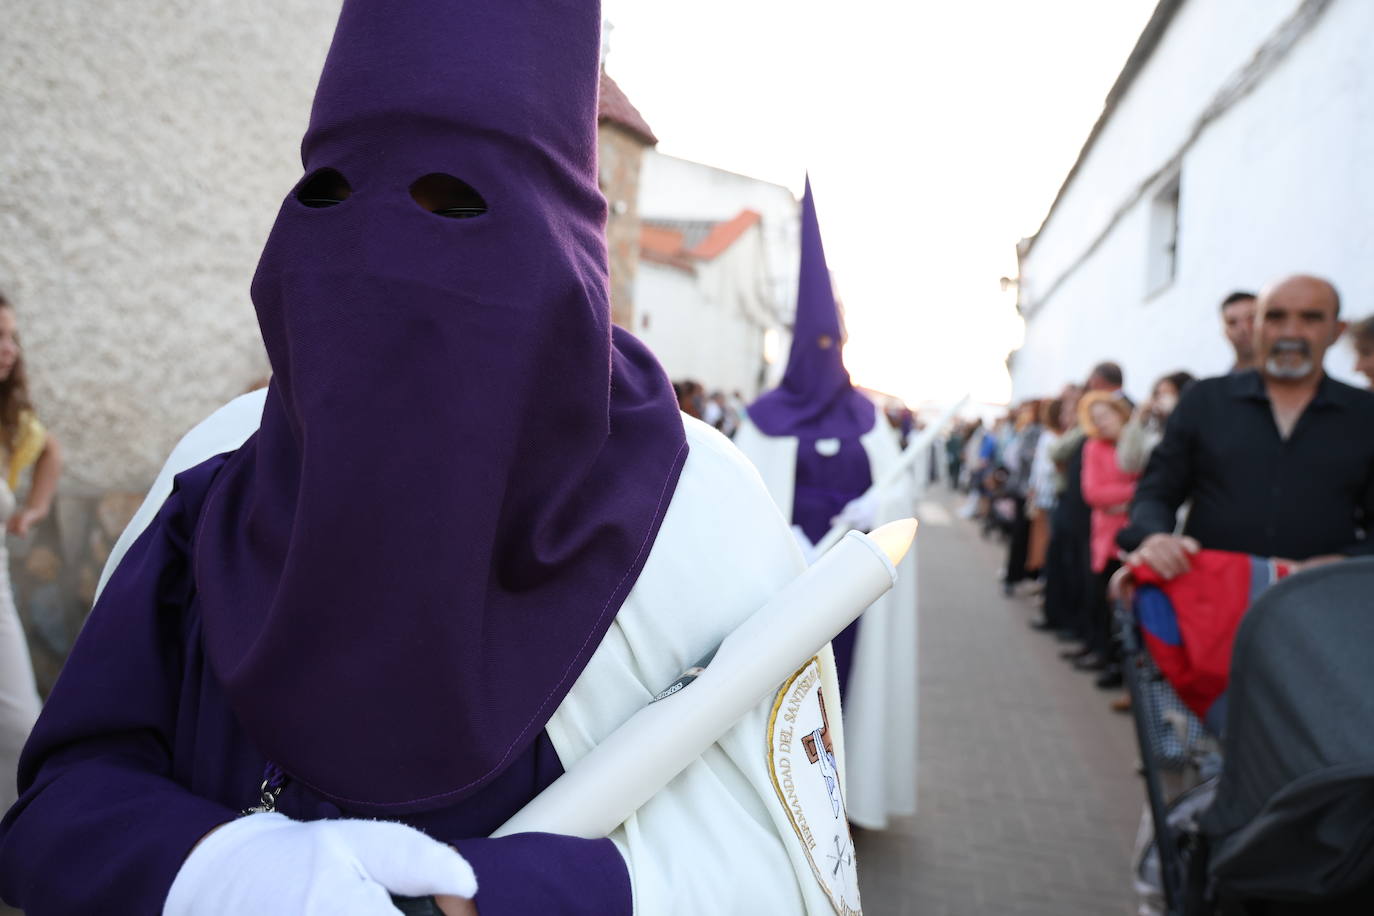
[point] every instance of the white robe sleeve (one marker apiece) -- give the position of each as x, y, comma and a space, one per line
223, 431
775, 457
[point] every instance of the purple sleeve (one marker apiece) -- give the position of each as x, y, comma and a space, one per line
541, 874
100, 826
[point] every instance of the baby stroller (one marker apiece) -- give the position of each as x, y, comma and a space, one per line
1287, 828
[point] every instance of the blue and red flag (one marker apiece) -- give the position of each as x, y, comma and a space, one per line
1189, 622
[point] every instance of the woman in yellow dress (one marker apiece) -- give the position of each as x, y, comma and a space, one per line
24, 444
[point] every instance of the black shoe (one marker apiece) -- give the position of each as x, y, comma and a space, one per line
1075, 653
1066, 635
1091, 662
1111, 678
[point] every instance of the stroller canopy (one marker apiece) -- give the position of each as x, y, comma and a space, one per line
1294, 815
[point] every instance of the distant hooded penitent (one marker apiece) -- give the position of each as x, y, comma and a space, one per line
815, 399
817, 443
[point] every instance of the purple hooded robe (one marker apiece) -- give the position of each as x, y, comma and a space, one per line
459, 473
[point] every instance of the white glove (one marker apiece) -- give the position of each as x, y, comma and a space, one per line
860, 513
270, 865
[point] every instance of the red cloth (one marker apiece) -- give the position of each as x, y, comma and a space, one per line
1105, 486
1192, 644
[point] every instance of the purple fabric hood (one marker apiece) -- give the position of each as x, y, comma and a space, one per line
461, 466
815, 399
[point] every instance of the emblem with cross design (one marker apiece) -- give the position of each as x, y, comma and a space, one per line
820, 749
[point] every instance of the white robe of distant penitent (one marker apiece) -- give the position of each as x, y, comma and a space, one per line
880, 704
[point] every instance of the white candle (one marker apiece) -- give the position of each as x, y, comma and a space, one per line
643, 755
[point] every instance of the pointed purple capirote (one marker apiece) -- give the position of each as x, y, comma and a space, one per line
815, 399
461, 468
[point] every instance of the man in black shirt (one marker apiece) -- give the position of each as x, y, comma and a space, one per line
1278, 461
1238, 322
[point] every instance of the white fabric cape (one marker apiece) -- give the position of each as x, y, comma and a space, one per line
880, 708
718, 839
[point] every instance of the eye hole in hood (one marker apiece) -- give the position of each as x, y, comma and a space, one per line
324, 188
444, 195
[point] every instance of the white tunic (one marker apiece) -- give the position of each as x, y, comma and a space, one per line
720, 838
880, 701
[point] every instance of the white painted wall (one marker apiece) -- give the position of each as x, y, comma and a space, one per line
672, 188
1281, 183
709, 325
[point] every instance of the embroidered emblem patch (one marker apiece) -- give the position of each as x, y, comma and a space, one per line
802, 764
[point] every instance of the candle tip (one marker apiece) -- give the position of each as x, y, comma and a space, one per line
895, 538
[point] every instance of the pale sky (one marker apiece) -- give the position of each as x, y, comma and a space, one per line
936, 134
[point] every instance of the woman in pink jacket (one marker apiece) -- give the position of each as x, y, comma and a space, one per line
1108, 490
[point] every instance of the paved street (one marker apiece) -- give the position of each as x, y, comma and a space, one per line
1028, 800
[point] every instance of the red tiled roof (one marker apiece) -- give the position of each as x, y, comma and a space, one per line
665, 244
614, 106
723, 235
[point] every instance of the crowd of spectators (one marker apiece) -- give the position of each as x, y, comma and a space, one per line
724, 412
1272, 457
716, 409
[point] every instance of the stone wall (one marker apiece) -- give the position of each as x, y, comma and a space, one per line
621, 154
56, 569
145, 147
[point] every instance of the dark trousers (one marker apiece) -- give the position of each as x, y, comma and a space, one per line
1066, 566
1018, 544
1101, 634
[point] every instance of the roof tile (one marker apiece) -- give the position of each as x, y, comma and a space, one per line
614, 107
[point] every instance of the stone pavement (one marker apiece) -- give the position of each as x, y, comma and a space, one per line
1028, 798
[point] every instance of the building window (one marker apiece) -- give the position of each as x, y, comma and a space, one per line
1162, 261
